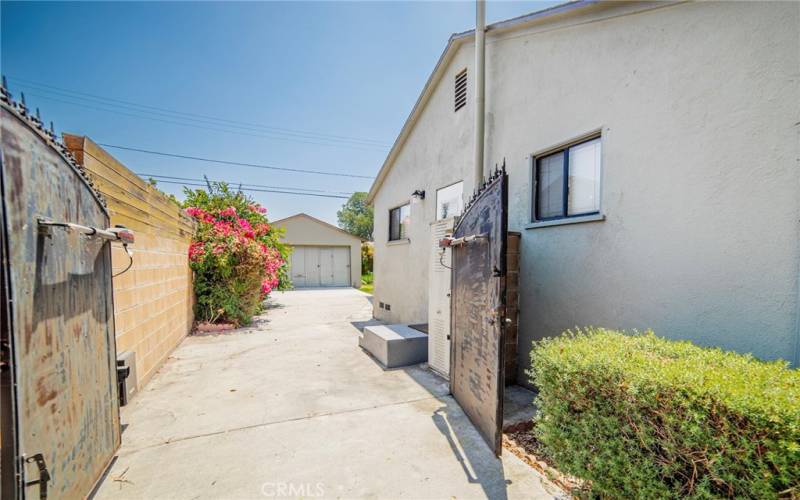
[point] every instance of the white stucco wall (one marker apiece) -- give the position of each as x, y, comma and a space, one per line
699, 109
304, 230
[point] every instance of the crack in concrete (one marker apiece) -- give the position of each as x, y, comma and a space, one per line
275, 422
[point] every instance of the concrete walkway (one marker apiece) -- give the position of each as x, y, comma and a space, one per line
291, 407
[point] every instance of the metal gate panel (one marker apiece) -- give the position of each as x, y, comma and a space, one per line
62, 332
478, 315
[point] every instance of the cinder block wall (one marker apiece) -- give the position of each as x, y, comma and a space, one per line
153, 300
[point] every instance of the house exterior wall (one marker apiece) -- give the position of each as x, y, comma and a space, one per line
303, 230
698, 108
437, 153
154, 299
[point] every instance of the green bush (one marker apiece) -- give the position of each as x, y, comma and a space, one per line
640, 416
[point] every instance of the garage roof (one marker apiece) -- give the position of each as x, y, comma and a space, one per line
318, 221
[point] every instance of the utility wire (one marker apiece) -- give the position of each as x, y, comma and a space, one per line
205, 184
363, 147
42, 87
262, 190
241, 164
157, 177
130, 103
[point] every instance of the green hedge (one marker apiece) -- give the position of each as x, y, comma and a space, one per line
640, 416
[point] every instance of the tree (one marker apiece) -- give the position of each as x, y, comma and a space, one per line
355, 217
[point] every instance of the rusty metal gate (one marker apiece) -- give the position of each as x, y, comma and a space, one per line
59, 369
478, 308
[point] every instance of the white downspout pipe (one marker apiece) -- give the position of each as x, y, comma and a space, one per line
480, 81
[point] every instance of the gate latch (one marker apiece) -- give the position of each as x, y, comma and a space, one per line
44, 476
449, 241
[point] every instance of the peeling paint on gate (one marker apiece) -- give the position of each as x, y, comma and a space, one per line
61, 315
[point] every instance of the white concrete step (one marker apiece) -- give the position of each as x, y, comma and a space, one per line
395, 345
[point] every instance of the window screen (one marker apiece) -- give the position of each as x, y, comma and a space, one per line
584, 178
550, 186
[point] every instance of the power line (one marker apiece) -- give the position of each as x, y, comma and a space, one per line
241, 164
168, 177
194, 116
204, 184
216, 129
263, 190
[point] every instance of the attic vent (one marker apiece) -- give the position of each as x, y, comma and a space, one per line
461, 89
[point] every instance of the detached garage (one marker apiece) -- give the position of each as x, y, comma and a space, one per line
323, 255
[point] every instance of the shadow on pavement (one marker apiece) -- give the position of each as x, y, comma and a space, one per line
477, 460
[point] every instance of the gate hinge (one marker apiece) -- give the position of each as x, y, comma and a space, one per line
44, 476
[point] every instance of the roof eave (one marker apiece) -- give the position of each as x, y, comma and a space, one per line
455, 41
320, 221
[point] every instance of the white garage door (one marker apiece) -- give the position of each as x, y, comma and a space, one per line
320, 266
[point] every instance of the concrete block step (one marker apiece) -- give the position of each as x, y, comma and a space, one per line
395, 345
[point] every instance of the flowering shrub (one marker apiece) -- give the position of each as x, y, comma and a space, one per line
236, 255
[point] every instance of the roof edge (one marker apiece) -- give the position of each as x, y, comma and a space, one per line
303, 214
455, 40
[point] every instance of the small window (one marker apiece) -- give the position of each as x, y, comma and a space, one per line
567, 182
461, 89
399, 219
450, 201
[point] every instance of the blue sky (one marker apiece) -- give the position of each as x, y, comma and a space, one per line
307, 85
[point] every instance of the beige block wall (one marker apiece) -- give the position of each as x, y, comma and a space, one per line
154, 299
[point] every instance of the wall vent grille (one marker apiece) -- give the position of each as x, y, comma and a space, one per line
461, 90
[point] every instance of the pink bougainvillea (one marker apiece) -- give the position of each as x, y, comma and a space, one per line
237, 258
257, 208
228, 212
196, 251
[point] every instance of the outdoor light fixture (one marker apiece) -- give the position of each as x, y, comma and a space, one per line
419, 194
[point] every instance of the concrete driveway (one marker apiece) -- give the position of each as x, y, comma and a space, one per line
292, 407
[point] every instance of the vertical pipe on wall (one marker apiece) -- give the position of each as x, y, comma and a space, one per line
480, 80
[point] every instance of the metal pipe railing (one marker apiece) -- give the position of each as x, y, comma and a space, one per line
119, 233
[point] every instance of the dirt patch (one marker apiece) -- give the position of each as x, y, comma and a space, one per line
520, 440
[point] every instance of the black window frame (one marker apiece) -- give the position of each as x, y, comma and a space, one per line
564, 151
400, 236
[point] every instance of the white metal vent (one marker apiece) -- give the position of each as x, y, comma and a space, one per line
439, 300
461, 89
